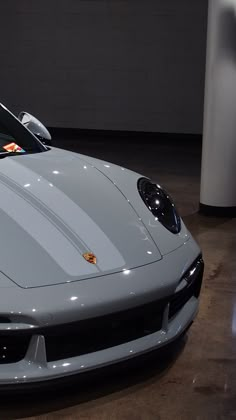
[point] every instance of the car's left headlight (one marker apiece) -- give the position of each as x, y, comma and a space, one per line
160, 204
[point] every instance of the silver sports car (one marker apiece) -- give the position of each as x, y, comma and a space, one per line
96, 265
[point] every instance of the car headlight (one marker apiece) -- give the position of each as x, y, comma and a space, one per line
160, 204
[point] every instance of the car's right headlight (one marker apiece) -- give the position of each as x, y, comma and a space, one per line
160, 204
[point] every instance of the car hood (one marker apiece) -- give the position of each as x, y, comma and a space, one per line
55, 207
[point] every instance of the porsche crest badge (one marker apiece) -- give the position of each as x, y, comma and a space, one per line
91, 258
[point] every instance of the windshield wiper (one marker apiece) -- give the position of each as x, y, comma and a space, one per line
5, 154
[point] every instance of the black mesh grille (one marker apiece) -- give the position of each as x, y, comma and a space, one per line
13, 348
107, 331
4, 320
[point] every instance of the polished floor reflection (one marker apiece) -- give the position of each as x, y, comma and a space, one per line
196, 378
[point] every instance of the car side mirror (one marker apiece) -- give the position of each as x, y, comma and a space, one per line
36, 127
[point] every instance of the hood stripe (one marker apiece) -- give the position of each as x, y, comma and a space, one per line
46, 199
44, 232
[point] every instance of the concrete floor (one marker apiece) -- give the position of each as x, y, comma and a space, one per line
196, 378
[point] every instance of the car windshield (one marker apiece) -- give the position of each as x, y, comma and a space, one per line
15, 138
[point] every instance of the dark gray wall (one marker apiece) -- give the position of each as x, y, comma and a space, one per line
105, 64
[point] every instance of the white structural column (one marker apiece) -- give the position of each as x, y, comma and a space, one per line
218, 178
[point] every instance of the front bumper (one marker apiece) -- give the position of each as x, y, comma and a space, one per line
35, 365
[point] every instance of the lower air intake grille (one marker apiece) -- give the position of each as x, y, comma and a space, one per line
100, 333
13, 348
